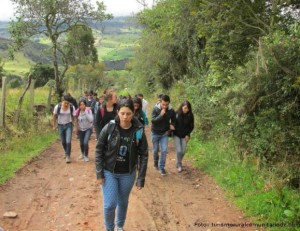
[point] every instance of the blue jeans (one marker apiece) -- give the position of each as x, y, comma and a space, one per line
116, 190
159, 142
84, 138
180, 146
65, 134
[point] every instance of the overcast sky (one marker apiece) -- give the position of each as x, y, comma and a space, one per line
115, 7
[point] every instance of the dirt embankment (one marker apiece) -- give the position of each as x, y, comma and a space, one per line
49, 194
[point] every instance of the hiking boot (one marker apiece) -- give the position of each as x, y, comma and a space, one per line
163, 172
85, 158
80, 157
68, 159
119, 229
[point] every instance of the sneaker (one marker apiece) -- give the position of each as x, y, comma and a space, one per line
119, 229
85, 158
80, 157
163, 172
179, 169
68, 160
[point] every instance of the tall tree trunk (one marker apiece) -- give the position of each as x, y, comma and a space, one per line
58, 81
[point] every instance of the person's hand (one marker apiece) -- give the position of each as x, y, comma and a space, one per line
187, 138
172, 127
162, 112
101, 181
54, 128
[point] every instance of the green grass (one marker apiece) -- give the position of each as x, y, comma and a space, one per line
27, 148
246, 186
19, 66
13, 95
118, 54
20, 144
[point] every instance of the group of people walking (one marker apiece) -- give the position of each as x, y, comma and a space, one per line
121, 155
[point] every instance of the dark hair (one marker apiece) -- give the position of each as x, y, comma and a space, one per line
139, 102
125, 103
165, 98
82, 101
67, 98
108, 94
185, 103
140, 95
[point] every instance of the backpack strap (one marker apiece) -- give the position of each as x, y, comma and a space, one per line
77, 112
102, 111
59, 108
139, 135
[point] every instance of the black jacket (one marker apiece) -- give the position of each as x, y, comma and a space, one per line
184, 124
108, 145
161, 124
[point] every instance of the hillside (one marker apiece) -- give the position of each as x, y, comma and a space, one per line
115, 41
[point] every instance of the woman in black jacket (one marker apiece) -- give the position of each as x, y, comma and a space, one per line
184, 125
121, 154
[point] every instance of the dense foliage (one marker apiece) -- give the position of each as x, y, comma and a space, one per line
237, 62
80, 47
42, 73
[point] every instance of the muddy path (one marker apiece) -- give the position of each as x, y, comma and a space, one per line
48, 194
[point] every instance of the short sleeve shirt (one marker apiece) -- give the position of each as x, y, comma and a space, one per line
64, 117
122, 162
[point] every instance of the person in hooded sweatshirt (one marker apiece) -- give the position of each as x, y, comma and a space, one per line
184, 125
163, 120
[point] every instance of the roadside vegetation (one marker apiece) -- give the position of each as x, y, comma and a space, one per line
19, 144
238, 64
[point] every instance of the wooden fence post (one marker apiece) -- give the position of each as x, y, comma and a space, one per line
32, 95
2, 109
49, 100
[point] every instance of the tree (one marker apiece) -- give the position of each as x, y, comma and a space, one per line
91, 76
42, 73
53, 19
80, 46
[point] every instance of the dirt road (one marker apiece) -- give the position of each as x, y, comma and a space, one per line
49, 194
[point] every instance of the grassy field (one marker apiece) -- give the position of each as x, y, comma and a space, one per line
19, 66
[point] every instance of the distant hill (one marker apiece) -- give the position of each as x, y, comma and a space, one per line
3, 30
35, 52
118, 38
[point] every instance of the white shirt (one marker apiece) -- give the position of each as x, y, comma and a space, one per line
64, 117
